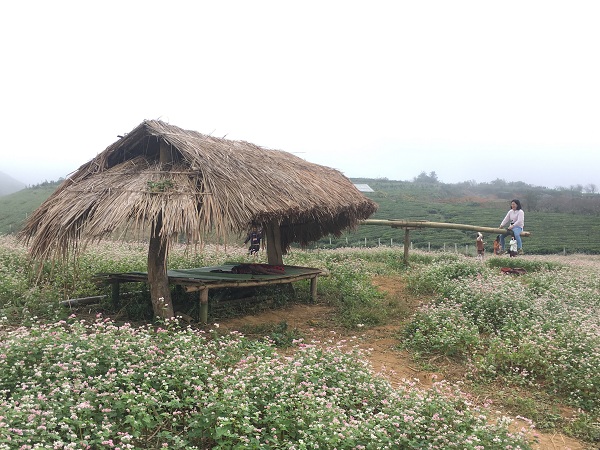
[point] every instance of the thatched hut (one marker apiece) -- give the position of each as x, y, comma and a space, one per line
164, 182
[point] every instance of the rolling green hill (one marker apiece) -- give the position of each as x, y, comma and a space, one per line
559, 220
15, 208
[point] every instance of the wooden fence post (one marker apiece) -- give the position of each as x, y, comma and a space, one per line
204, 306
406, 241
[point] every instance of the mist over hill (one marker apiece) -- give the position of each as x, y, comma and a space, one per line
8, 184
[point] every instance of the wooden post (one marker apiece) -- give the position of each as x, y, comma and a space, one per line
160, 294
115, 296
204, 306
313, 289
158, 280
274, 251
406, 243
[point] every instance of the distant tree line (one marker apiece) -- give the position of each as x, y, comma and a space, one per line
46, 183
574, 199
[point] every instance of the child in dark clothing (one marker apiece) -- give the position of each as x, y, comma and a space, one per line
254, 237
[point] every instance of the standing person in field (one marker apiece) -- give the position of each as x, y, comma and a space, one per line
516, 218
480, 245
497, 246
513, 247
254, 237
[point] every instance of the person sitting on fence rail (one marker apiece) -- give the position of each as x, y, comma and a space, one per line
516, 218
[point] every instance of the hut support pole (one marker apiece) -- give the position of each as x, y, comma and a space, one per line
157, 258
157, 273
115, 295
313, 289
406, 245
204, 306
274, 251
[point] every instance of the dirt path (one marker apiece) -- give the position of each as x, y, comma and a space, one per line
314, 323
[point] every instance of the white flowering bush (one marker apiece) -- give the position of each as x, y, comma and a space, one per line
433, 276
540, 329
74, 384
442, 329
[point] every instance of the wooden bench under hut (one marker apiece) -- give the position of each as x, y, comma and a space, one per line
203, 279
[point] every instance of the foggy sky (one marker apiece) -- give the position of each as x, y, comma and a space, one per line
384, 89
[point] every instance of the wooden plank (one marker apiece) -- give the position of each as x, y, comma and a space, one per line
397, 223
248, 283
93, 299
82, 300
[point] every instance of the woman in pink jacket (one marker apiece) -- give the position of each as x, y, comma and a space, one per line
515, 219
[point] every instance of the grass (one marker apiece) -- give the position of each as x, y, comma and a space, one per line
279, 334
15, 208
70, 381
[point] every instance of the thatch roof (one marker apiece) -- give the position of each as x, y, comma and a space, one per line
209, 185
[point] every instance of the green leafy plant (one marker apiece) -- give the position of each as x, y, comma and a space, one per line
444, 330
160, 186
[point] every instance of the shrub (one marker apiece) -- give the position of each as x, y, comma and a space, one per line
442, 330
78, 385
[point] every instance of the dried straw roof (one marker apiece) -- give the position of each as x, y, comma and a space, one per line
210, 185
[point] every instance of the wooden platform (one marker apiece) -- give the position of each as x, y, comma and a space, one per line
202, 279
